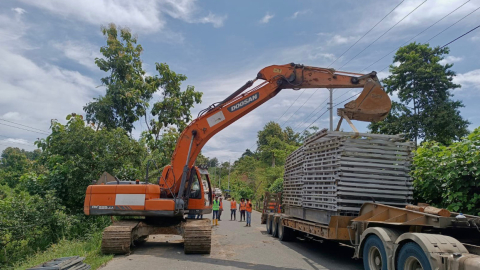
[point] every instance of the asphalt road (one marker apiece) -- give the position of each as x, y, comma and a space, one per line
237, 247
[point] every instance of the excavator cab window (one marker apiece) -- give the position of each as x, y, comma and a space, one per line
195, 190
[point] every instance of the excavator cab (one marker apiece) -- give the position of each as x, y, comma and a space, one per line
199, 196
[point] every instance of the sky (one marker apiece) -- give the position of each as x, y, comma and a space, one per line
48, 47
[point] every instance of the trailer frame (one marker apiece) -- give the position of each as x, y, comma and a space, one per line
395, 227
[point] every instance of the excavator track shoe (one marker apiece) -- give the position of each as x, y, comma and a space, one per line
197, 236
117, 237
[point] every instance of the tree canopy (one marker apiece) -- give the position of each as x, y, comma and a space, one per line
129, 90
425, 110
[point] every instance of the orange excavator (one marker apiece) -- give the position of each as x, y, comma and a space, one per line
180, 190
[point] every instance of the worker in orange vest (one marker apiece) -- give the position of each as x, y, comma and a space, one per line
221, 210
233, 209
242, 207
249, 213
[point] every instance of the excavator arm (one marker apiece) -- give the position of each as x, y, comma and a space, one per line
372, 105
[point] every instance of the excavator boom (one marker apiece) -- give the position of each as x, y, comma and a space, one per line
372, 105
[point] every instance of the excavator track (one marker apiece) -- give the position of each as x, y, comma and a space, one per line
118, 237
197, 236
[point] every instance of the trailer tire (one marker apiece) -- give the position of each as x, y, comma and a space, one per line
269, 224
285, 234
275, 226
412, 256
374, 255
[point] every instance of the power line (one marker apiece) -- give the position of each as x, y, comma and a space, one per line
341, 95
461, 36
24, 129
24, 125
383, 34
291, 105
416, 35
285, 112
455, 39
314, 121
347, 99
366, 33
310, 115
453, 25
299, 107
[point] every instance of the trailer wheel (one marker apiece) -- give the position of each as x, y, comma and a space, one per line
412, 257
274, 227
374, 255
269, 224
285, 234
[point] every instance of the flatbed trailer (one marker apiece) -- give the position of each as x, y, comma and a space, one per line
389, 238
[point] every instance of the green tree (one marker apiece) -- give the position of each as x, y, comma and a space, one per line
27, 223
276, 186
307, 133
449, 176
13, 164
129, 90
271, 129
174, 108
291, 137
275, 144
75, 155
425, 110
213, 162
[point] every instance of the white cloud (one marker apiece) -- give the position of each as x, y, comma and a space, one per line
383, 74
469, 79
12, 28
140, 15
267, 17
451, 59
429, 12
307, 52
19, 11
297, 13
82, 52
215, 20
33, 93
339, 39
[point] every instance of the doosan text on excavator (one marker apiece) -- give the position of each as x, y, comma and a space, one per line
179, 190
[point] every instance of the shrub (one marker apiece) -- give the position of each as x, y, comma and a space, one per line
449, 176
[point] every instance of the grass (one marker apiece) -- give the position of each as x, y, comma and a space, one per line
89, 248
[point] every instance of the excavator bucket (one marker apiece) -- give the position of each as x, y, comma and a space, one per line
372, 105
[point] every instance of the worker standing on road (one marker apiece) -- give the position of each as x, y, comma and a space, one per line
243, 207
249, 213
233, 209
215, 208
220, 210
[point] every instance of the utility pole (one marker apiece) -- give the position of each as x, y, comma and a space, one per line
331, 108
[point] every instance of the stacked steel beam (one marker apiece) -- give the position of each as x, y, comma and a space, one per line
340, 171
